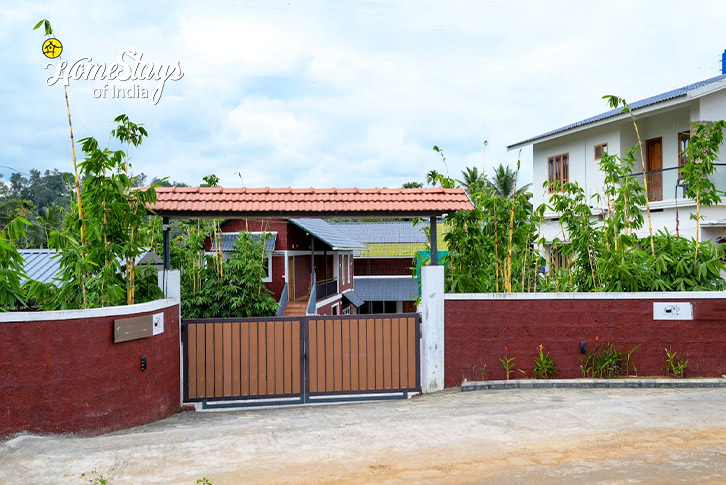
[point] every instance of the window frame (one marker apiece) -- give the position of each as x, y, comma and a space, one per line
557, 173
682, 157
603, 149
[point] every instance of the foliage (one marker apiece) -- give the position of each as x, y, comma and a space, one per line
606, 362
544, 365
481, 243
12, 293
98, 270
675, 365
233, 288
504, 181
412, 185
507, 362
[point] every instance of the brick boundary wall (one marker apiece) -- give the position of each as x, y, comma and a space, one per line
477, 328
65, 374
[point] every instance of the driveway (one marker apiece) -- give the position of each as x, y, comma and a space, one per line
513, 436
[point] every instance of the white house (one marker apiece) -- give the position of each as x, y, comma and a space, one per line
664, 121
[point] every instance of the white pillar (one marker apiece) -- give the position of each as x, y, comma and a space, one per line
170, 283
432, 328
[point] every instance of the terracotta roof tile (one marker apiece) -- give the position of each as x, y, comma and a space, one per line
307, 202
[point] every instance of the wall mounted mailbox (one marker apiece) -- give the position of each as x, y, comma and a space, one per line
677, 310
125, 329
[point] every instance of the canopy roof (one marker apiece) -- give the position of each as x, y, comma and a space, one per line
219, 202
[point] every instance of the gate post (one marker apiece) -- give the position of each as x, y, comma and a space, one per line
432, 328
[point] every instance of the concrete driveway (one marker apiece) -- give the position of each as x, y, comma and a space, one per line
513, 436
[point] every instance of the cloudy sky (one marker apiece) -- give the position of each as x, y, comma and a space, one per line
330, 93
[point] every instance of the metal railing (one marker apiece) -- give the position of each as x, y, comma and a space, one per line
312, 309
669, 177
326, 288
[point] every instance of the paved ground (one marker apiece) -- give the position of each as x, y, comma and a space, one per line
513, 436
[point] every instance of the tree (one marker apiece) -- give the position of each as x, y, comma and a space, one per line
504, 181
238, 291
432, 177
473, 181
412, 185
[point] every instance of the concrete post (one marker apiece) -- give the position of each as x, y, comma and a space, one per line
432, 328
170, 283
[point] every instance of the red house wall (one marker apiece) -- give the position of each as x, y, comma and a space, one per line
476, 332
68, 376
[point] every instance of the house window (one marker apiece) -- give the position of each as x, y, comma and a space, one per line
683, 138
558, 171
346, 310
557, 259
267, 263
600, 149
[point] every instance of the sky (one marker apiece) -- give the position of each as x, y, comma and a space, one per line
338, 94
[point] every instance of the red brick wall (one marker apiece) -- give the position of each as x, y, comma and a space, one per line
476, 332
68, 376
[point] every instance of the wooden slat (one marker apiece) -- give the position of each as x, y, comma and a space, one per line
322, 368
218, 362
379, 353
412, 353
403, 339
209, 360
191, 370
279, 357
254, 359
244, 337
345, 337
201, 360
236, 363
371, 353
313, 355
227, 355
296, 358
362, 355
395, 354
387, 353
261, 358
287, 357
329, 355
354, 355
338, 355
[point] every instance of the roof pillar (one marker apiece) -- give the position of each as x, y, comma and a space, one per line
433, 240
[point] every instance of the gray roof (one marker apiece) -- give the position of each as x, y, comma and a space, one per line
229, 238
658, 98
353, 298
329, 234
386, 289
41, 265
384, 232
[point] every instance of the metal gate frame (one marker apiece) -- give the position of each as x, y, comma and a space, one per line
374, 359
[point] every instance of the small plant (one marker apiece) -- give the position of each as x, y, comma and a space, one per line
676, 365
483, 371
94, 478
544, 365
606, 362
204, 481
507, 362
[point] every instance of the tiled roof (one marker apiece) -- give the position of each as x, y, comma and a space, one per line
386, 288
385, 232
658, 98
182, 202
328, 234
229, 238
41, 265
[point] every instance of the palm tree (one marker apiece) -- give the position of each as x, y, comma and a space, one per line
431, 177
503, 182
472, 180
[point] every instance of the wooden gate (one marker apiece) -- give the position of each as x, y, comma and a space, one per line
263, 361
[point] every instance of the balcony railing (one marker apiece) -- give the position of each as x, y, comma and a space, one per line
665, 183
364, 270
325, 288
